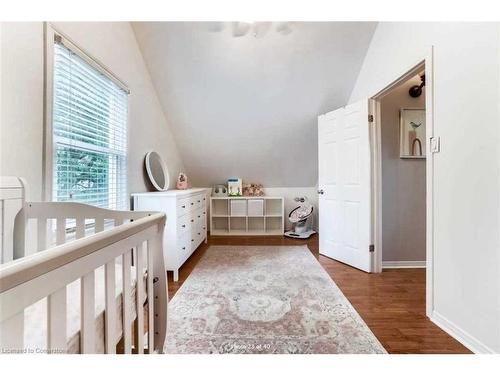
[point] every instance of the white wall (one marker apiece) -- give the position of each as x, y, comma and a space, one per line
114, 45
248, 106
21, 105
403, 182
466, 171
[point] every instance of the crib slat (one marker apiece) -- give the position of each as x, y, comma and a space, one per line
99, 224
127, 321
151, 337
139, 293
160, 290
12, 332
61, 231
87, 332
56, 320
80, 227
110, 314
41, 226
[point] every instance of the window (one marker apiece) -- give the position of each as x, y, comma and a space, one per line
89, 131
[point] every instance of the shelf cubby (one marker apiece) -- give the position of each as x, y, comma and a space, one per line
273, 224
256, 224
273, 207
237, 224
220, 225
225, 222
219, 207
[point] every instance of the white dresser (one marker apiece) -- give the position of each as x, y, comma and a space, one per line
186, 226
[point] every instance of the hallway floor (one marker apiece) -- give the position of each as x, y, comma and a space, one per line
391, 303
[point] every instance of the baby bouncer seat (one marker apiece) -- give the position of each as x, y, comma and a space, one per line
301, 218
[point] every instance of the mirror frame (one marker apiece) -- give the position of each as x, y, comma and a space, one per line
150, 174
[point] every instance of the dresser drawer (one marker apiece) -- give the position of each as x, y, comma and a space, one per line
192, 203
198, 218
184, 247
204, 219
183, 224
183, 206
199, 201
195, 202
197, 236
191, 220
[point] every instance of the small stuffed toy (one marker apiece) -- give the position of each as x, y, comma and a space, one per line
253, 190
182, 182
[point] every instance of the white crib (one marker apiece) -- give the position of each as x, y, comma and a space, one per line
83, 254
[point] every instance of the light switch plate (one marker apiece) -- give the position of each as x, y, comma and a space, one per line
435, 144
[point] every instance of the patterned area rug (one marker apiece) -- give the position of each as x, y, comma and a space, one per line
264, 299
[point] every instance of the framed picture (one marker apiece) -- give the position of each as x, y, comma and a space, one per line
412, 139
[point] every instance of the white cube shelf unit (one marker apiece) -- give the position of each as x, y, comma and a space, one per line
242, 216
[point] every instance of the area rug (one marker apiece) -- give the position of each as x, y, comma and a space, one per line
264, 299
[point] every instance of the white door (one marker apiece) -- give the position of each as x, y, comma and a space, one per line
345, 185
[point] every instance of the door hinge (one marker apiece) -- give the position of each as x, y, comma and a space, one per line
370, 118
371, 248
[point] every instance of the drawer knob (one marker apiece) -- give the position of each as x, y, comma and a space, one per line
183, 206
199, 201
192, 203
203, 213
203, 227
184, 248
192, 220
199, 216
192, 240
184, 225
199, 234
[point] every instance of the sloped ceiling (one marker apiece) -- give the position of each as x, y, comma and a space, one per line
246, 106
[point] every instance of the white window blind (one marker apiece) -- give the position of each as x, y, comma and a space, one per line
89, 125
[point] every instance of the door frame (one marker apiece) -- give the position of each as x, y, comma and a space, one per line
376, 150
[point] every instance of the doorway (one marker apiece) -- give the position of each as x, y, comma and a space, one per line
350, 179
402, 153
402, 174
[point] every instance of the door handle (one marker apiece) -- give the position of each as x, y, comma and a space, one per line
321, 191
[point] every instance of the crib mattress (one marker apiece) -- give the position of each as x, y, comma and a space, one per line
35, 316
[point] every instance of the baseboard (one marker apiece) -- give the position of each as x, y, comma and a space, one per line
404, 264
460, 335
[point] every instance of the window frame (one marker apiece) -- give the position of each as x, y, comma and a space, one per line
51, 35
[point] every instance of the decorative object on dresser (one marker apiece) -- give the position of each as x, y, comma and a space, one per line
157, 171
182, 181
219, 191
186, 221
246, 216
234, 187
253, 190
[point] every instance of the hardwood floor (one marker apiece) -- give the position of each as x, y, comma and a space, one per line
391, 303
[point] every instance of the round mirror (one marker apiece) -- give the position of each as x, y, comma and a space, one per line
157, 171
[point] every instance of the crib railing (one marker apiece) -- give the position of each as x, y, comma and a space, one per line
47, 273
